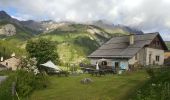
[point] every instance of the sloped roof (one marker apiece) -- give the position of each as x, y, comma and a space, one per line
119, 46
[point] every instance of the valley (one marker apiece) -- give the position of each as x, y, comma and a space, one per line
74, 41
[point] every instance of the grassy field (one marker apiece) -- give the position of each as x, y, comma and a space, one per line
109, 87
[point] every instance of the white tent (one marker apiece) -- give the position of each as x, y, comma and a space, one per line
50, 64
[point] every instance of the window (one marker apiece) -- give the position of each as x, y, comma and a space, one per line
157, 58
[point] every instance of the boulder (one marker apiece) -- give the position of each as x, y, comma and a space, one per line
86, 81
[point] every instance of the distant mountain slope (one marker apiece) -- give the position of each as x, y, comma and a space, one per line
11, 28
76, 41
33, 25
95, 33
113, 29
4, 15
47, 26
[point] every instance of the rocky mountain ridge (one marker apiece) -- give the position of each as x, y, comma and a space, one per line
50, 25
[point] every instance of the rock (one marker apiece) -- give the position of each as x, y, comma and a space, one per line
86, 81
8, 30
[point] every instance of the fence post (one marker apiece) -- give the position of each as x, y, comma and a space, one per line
13, 90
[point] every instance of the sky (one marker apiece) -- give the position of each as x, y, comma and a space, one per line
147, 15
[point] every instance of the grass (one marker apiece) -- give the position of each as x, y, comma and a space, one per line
157, 88
109, 87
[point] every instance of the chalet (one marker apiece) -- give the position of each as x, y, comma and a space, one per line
120, 52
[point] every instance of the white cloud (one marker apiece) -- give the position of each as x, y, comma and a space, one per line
149, 15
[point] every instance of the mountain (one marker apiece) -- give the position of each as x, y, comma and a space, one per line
11, 28
33, 25
4, 15
114, 29
47, 26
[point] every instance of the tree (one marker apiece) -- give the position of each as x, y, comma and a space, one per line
43, 50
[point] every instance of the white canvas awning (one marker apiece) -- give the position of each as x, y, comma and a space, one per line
50, 64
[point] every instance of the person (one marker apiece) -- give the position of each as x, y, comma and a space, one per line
97, 66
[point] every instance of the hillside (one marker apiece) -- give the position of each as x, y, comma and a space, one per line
76, 41
168, 44
115, 29
13, 37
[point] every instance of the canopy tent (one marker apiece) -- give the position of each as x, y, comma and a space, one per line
50, 64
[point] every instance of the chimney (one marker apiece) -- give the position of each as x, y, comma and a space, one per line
2, 59
131, 39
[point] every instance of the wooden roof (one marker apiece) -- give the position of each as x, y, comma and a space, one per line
119, 47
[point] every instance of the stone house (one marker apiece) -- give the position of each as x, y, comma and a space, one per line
120, 52
11, 63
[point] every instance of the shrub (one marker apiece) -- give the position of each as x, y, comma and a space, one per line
157, 88
42, 81
73, 68
25, 82
150, 72
28, 82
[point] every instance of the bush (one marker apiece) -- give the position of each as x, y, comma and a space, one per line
157, 88
73, 68
150, 72
42, 81
25, 83
28, 82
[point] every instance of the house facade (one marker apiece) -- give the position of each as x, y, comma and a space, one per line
120, 52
